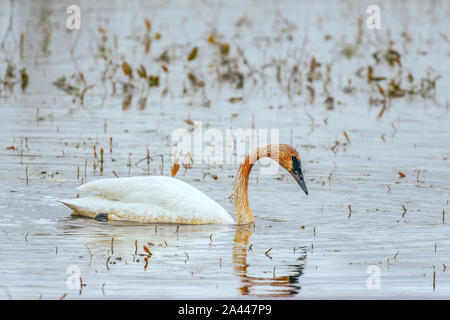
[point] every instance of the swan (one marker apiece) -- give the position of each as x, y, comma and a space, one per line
162, 199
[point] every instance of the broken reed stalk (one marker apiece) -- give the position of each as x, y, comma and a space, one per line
85, 171
148, 161
101, 160
434, 280
94, 163
81, 285
129, 164
22, 39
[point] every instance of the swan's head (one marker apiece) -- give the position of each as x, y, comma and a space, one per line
290, 160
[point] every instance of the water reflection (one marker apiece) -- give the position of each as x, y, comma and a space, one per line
270, 286
179, 250
126, 239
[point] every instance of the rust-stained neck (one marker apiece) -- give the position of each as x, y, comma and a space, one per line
281, 153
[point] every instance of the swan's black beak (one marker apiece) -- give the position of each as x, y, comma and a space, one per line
297, 173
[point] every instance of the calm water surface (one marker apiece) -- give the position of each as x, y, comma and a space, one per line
301, 246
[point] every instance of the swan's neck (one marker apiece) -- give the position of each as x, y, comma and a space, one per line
240, 195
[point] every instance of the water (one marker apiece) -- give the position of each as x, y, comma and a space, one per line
313, 246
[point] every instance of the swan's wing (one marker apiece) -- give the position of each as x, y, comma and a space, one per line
160, 190
131, 189
169, 194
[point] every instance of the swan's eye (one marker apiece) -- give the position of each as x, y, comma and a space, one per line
296, 166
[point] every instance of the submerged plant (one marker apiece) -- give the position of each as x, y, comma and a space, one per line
75, 86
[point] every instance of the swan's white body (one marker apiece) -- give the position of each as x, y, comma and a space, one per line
149, 199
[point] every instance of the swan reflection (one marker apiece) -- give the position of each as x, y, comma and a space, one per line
182, 256
264, 286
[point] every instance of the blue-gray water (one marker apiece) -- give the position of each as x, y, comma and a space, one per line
321, 245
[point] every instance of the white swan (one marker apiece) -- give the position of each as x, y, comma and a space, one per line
161, 199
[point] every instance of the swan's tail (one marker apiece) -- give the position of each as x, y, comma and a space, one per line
79, 206
99, 208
